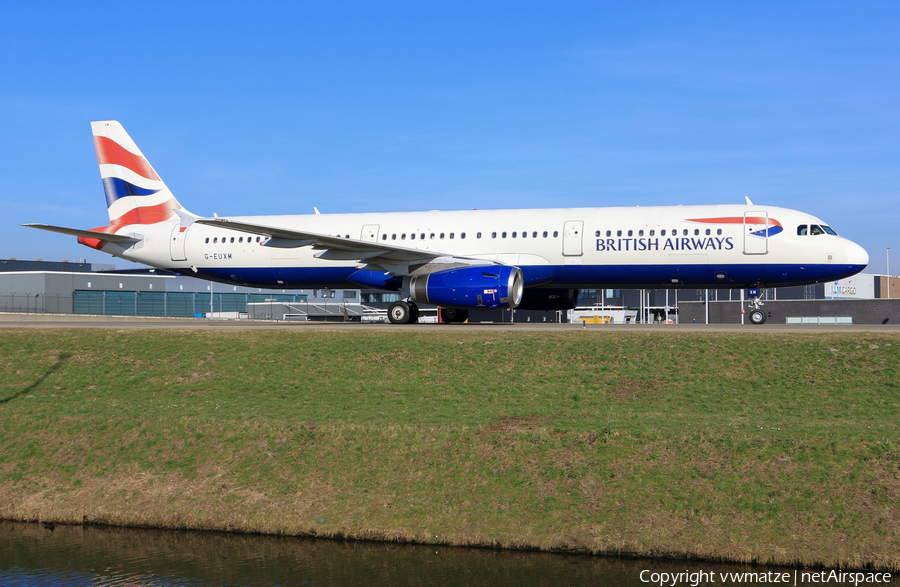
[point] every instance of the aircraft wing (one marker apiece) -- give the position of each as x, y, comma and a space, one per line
379, 255
112, 238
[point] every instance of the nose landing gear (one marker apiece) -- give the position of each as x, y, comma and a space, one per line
757, 315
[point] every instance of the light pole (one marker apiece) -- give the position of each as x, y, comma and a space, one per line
888, 254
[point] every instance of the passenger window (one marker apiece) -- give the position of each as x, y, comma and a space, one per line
618, 233
432, 236
503, 235
534, 234
684, 233
719, 231
422, 236
524, 234
652, 232
462, 235
384, 237
662, 233
597, 233
207, 240
608, 233
232, 239
545, 234
346, 236
555, 233
478, 235
493, 235
403, 236
708, 232
215, 240
393, 237
442, 236
451, 235
640, 233
630, 233
412, 236
514, 235
802, 230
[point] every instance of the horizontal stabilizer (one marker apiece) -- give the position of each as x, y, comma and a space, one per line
112, 238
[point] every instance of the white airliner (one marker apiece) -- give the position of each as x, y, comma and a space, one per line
463, 260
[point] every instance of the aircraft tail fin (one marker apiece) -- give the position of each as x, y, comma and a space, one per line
135, 194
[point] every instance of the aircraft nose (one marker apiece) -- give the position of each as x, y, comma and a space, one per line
856, 255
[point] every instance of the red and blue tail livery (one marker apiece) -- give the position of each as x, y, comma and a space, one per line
135, 194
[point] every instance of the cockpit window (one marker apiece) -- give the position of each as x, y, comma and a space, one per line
802, 230
815, 229
829, 230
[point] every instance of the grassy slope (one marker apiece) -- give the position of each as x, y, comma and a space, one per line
778, 448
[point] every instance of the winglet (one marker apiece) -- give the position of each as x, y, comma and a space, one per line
316, 210
749, 203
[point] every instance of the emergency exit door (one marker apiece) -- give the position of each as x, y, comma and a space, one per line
176, 243
369, 233
572, 238
756, 233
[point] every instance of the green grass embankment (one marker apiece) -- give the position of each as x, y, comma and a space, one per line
747, 447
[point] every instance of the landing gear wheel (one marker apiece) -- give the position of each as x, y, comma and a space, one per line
454, 315
757, 316
399, 313
413, 313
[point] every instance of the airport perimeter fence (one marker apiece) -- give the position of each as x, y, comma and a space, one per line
140, 303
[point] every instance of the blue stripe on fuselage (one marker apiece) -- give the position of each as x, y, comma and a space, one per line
674, 276
576, 276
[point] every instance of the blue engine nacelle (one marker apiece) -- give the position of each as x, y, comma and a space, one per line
492, 286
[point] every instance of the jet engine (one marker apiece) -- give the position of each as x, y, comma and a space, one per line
550, 299
492, 286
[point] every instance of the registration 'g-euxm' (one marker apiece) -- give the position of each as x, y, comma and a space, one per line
464, 260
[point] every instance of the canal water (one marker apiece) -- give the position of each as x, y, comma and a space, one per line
102, 556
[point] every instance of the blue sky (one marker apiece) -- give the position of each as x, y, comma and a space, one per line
275, 108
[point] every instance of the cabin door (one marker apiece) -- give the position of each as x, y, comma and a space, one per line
369, 233
176, 243
572, 238
756, 233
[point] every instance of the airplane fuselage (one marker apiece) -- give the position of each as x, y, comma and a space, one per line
724, 246
466, 259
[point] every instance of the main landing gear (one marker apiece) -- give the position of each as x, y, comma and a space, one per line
405, 312
401, 312
757, 314
454, 315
